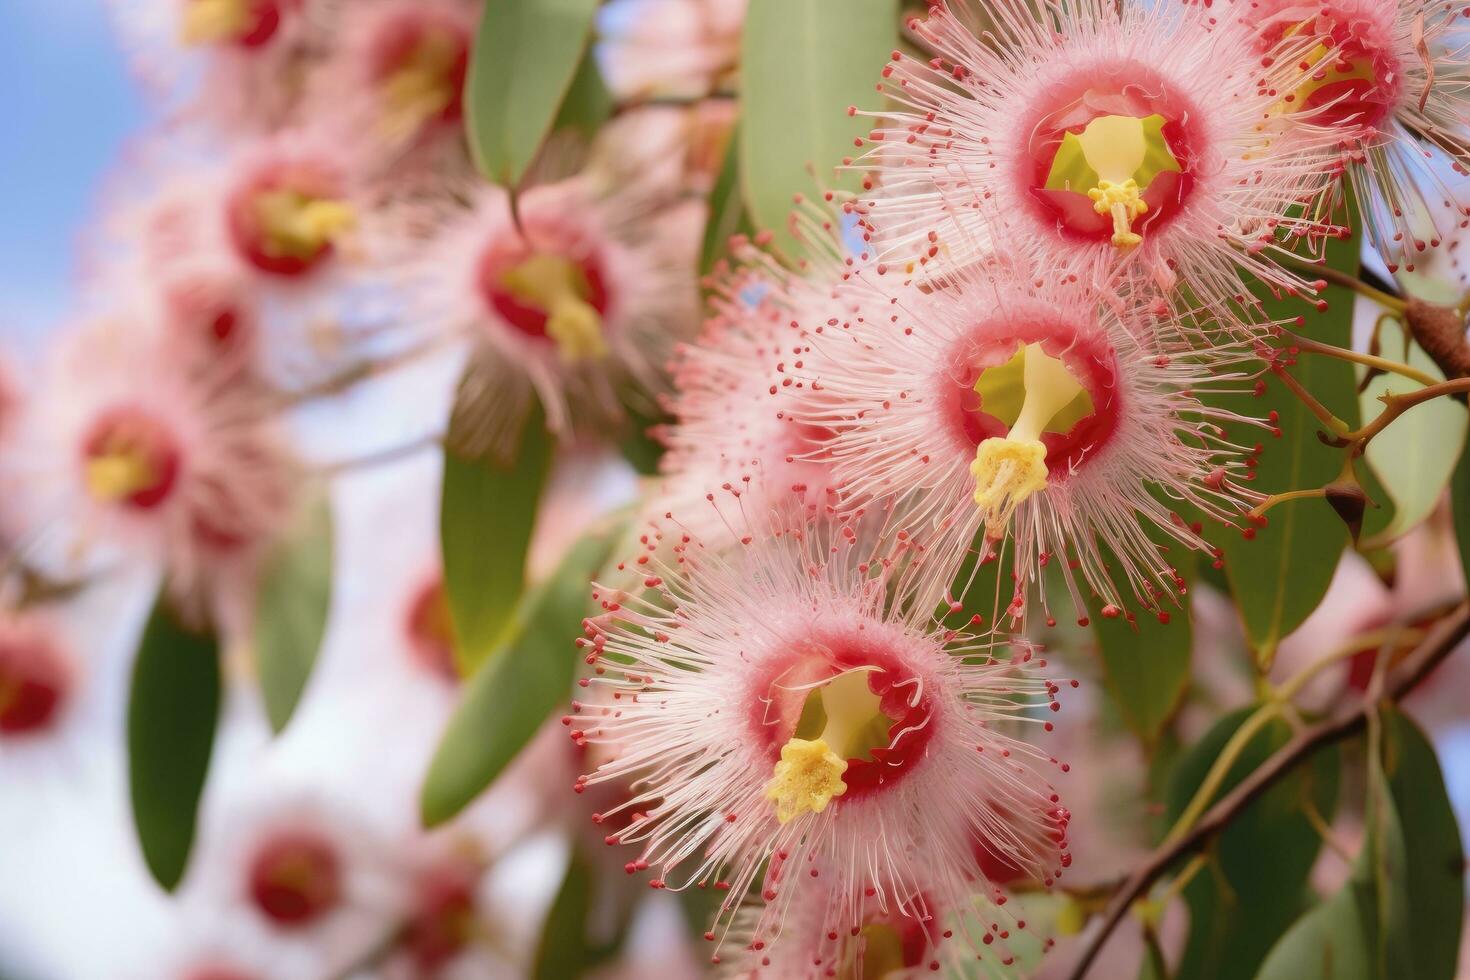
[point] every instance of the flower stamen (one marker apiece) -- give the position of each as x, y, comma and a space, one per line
1009, 469
560, 289
118, 474
1125, 203
1115, 157
422, 87
810, 772
806, 779
299, 226
215, 21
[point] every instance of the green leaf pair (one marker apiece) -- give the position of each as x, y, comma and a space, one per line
1255, 884
174, 700
516, 688
1400, 913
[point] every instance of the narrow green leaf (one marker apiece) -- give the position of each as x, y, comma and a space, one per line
588, 103
516, 689
726, 208
1460, 507
1280, 575
1362, 931
291, 610
1435, 867
641, 446
173, 707
487, 510
1146, 662
1415, 459
526, 55
803, 63
1254, 888
565, 950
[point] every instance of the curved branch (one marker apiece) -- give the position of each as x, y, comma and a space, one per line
1442, 639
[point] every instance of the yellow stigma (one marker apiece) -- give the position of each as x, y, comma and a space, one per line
809, 774
119, 474
300, 226
807, 778
1114, 159
422, 87
1006, 472
1009, 469
213, 21
559, 288
1125, 203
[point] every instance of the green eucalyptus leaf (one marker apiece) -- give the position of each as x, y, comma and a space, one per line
565, 950
291, 610
517, 687
572, 943
1279, 573
1145, 660
727, 215
1460, 507
588, 103
1435, 868
525, 57
173, 709
803, 63
487, 511
1362, 931
1255, 885
977, 591
641, 445
1415, 458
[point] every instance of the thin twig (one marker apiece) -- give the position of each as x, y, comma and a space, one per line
1394, 406
355, 374
1442, 639
1369, 360
381, 457
1272, 500
1324, 829
1323, 413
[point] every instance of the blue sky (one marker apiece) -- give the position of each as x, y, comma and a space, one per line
69, 106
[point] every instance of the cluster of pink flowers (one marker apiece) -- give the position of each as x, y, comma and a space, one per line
1022, 351
302, 225
997, 351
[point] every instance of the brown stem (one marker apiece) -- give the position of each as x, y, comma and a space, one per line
1323, 413
1393, 407
381, 457
357, 373
1443, 639
1373, 361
